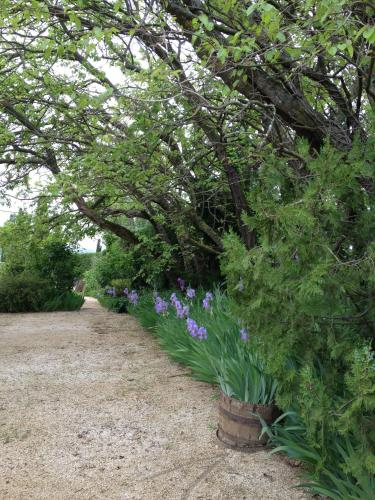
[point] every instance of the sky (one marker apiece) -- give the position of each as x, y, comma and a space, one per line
4, 215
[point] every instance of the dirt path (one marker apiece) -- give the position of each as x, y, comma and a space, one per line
91, 409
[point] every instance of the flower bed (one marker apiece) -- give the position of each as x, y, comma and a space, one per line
200, 330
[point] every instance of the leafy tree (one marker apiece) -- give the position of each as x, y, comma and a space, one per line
29, 247
57, 263
204, 88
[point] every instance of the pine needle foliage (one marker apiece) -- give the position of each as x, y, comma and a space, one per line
307, 290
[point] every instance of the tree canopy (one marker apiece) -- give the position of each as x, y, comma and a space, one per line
164, 110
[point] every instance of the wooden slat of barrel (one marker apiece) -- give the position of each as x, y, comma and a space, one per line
238, 427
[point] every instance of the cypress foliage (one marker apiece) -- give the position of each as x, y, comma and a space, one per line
307, 290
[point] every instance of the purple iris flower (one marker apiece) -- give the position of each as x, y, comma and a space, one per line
182, 311
179, 310
126, 291
161, 305
192, 327
207, 300
133, 297
196, 331
190, 293
181, 283
202, 333
206, 304
173, 299
244, 334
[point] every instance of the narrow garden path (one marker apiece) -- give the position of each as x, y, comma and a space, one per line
91, 409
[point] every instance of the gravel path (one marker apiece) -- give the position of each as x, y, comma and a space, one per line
91, 409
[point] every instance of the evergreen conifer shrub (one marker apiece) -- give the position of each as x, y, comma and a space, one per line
307, 291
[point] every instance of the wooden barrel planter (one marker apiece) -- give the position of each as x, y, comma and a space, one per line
238, 427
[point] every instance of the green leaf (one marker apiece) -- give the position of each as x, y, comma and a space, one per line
369, 34
98, 33
222, 54
209, 25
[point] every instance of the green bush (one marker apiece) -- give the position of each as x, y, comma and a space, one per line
39, 267
23, 292
92, 286
27, 292
323, 477
84, 262
120, 284
68, 301
115, 262
130, 267
115, 304
56, 262
307, 290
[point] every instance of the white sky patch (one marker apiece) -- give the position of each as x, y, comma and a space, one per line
4, 215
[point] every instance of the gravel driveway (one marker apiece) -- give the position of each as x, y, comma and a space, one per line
90, 408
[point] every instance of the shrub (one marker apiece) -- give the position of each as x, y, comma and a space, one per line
324, 475
23, 292
307, 289
68, 301
115, 304
120, 285
28, 292
56, 262
115, 262
92, 285
143, 264
84, 262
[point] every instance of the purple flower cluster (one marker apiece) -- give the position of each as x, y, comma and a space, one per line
207, 301
173, 299
196, 331
182, 311
161, 305
133, 297
244, 334
181, 283
190, 293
